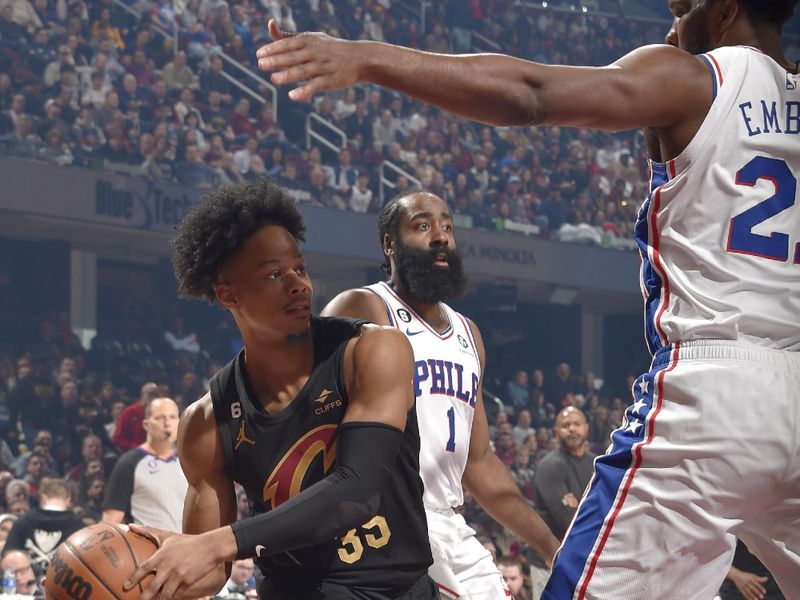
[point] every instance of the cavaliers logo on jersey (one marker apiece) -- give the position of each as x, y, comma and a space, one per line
286, 479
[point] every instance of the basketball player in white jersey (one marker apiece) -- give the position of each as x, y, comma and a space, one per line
424, 269
709, 449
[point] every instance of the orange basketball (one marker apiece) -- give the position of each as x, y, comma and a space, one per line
93, 563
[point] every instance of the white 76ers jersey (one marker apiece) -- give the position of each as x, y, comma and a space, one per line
447, 373
719, 235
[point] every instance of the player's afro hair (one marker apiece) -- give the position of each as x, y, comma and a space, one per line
215, 229
771, 11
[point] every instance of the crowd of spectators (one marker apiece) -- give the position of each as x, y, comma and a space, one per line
90, 84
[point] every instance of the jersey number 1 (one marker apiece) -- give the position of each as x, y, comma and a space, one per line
741, 238
451, 421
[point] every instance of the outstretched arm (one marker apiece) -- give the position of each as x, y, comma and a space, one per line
658, 86
489, 481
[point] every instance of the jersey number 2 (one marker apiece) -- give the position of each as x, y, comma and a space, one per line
741, 238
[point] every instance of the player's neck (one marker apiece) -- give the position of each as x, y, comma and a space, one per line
769, 42
432, 313
277, 372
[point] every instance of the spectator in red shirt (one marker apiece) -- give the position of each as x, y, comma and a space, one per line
130, 433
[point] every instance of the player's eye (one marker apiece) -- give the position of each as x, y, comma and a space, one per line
274, 275
302, 270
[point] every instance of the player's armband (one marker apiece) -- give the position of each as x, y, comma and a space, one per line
346, 498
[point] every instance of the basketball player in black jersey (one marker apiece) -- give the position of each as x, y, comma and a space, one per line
315, 418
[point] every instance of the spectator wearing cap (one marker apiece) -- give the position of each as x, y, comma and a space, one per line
178, 74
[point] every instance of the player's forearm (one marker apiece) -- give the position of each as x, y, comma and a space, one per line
499, 495
344, 499
490, 88
514, 513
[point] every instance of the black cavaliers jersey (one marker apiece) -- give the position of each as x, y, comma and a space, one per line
275, 456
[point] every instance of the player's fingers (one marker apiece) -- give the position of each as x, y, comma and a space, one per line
317, 85
305, 72
276, 33
284, 42
170, 589
150, 533
140, 573
284, 61
153, 588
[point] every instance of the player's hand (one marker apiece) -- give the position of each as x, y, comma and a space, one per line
321, 61
749, 585
155, 535
174, 573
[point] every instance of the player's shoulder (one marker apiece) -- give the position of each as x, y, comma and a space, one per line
199, 415
360, 303
372, 336
199, 444
665, 60
379, 345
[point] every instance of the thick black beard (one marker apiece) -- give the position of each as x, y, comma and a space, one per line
428, 283
298, 337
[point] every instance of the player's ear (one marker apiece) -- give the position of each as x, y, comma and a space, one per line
225, 295
727, 14
388, 244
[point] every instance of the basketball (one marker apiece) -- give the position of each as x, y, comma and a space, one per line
93, 563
